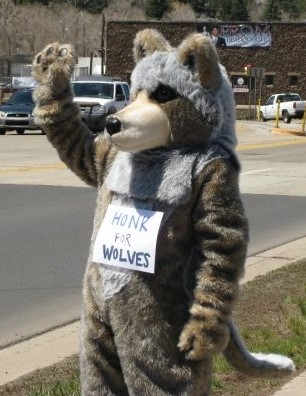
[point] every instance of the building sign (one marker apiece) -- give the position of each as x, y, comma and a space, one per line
240, 35
240, 84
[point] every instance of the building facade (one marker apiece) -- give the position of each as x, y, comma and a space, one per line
274, 52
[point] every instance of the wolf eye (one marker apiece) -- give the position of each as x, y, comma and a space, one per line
163, 94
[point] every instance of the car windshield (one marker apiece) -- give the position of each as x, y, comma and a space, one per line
101, 90
21, 98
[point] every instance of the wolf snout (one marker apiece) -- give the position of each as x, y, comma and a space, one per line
113, 125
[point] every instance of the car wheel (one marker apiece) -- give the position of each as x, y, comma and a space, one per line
20, 131
262, 117
2, 131
286, 117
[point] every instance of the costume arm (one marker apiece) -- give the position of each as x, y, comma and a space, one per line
59, 116
221, 237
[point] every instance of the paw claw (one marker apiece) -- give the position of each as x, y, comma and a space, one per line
63, 52
38, 59
49, 51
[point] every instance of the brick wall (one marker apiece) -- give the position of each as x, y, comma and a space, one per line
120, 36
285, 57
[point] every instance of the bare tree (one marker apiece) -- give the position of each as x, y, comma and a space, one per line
38, 28
76, 27
10, 18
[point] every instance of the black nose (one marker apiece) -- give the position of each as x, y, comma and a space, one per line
113, 125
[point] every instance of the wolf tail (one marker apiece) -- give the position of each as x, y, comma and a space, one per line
255, 364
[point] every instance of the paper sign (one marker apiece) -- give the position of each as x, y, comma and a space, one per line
127, 238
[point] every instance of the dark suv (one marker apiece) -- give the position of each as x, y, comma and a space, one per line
17, 113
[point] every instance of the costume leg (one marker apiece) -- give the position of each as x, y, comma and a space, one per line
101, 373
146, 335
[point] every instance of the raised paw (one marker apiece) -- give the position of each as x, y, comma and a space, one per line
199, 341
54, 66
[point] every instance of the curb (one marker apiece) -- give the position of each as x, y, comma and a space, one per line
54, 346
270, 260
38, 352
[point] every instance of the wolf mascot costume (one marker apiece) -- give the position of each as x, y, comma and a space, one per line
170, 234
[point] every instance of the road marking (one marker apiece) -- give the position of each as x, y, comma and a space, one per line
32, 168
50, 167
256, 171
270, 145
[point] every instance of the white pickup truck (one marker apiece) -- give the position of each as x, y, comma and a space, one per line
98, 97
290, 106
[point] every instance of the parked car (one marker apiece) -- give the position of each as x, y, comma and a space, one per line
290, 106
17, 113
98, 96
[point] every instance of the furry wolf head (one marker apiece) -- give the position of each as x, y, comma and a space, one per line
182, 97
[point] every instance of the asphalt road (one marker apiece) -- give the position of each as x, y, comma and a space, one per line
45, 230
45, 236
273, 184
274, 220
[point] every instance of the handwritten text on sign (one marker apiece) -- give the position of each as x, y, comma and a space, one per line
127, 238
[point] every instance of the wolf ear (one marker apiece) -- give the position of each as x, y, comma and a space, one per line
148, 41
200, 55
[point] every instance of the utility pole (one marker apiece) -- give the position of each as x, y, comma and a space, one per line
102, 49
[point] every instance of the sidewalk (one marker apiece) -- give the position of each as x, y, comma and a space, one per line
54, 346
296, 387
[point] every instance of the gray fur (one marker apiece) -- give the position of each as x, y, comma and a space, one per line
169, 178
113, 280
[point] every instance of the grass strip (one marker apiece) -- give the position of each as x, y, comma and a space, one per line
271, 316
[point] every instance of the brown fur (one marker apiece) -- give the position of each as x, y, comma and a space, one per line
180, 112
196, 48
146, 42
